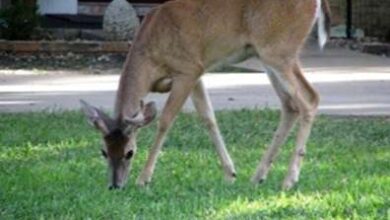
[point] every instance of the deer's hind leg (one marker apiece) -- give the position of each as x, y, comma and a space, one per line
299, 101
282, 81
308, 101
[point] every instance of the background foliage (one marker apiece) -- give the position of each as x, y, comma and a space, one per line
18, 21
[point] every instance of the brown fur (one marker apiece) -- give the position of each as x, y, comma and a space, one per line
180, 39
114, 140
187, 36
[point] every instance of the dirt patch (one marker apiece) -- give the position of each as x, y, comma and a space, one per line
366, 45
69, 61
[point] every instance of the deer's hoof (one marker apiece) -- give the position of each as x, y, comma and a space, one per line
288, 184
231, 178
142, 183
256, 180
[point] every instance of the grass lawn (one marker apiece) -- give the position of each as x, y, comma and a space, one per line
51, 168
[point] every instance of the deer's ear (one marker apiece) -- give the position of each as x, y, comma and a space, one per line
144, 117
150, 112
95, 117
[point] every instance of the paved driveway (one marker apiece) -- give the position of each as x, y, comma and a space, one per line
349, 83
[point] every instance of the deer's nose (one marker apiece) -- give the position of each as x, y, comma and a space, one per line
114, 186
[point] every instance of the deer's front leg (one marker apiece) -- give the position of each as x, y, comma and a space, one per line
203, 106
181, 88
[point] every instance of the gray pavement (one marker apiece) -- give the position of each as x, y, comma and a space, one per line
349, 83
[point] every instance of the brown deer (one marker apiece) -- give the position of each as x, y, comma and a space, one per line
177, 42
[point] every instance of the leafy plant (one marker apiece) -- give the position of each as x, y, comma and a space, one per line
18, 21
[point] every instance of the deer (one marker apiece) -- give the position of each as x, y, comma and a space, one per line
177, 42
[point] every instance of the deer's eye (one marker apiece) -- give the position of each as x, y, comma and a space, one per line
129, 155
104, 153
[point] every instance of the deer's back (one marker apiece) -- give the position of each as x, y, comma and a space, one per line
199, 32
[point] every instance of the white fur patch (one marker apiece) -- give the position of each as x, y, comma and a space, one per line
320, 18
276, 77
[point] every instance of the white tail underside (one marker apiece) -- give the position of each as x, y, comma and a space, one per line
322, 34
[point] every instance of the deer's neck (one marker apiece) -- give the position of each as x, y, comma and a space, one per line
134, 85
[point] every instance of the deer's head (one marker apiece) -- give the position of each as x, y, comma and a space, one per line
119, 139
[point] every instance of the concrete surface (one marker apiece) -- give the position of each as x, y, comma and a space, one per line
349, 83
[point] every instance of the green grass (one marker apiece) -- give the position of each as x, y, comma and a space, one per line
50, 168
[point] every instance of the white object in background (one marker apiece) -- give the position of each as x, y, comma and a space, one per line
57, 6
120, 21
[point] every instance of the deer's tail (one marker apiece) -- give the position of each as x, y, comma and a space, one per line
323, 21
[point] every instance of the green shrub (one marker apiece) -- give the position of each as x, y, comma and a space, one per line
18, 21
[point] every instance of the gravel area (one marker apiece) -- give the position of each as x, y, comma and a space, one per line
70, 61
